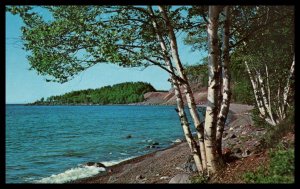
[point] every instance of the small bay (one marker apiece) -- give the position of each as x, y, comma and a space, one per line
48, 140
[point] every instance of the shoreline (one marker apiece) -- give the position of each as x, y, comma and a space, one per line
158, 166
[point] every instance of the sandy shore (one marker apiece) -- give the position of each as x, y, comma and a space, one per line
159, 166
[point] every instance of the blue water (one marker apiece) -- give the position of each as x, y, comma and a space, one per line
47, 140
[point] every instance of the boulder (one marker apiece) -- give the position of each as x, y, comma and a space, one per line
180, 178
95, 164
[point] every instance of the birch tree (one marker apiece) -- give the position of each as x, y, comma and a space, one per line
81, 36
268, 57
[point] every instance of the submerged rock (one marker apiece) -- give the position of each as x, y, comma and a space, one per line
152, 146
128, 136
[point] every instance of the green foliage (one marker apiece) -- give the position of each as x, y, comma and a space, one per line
198, 74
280, 170
123, 93
242, 92
78, 37
203, 179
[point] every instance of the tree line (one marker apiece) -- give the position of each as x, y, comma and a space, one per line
122, 93
254, 42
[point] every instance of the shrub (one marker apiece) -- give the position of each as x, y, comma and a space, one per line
200, 179
275, 133
280, 170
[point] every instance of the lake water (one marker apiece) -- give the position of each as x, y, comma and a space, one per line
49, 144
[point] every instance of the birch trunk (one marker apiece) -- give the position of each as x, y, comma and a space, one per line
256, 92
279, 103
265, 99
226, 93
287, 87
186, 128
180, 106
188, 92
269, 96
213, 87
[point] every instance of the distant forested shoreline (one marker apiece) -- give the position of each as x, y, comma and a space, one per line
122, 93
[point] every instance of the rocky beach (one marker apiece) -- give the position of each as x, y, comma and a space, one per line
175, 165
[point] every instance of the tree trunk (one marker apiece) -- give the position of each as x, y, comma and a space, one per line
213, 88
188, 92
180, 106
226, 83
265, 99
256, 92
287, 87
186, 128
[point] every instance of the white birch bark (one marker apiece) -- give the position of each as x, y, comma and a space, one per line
186, 129
226, 83
279, 104
188, 92
256, 92
287, 87
180, 106
213, 87
265, 98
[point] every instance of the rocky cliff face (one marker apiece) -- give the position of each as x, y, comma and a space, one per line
168, 98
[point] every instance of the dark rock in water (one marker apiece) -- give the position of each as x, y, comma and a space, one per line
155, 143
100, 165
95, 164
90, 164
128, 136
152, 146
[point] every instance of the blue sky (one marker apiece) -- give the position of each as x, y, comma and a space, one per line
24, 85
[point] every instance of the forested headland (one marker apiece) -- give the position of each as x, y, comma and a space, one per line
122, 93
